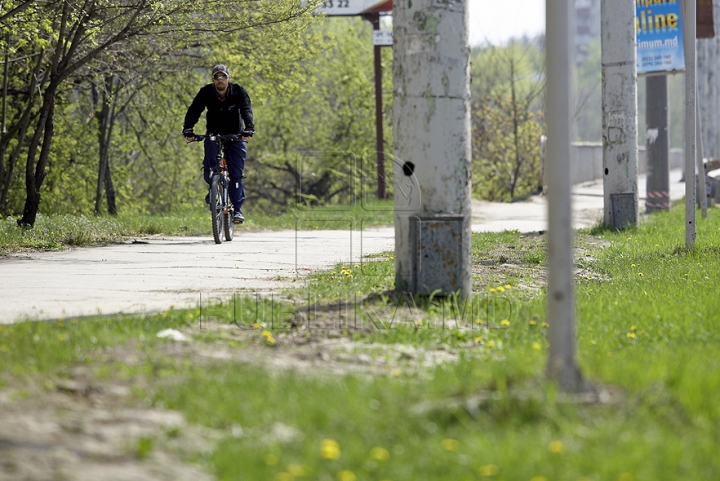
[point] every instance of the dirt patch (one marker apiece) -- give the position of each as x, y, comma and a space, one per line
80, 430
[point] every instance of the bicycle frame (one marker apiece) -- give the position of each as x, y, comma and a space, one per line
221, 208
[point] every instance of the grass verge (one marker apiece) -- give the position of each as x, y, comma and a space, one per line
343, 380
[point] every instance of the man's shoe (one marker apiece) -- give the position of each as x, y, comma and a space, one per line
238, 218
207, 198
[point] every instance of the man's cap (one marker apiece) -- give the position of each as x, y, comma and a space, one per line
220, 69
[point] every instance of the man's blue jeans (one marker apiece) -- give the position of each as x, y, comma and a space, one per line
235, 153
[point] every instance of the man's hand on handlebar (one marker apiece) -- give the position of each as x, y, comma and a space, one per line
189, 135
246, 134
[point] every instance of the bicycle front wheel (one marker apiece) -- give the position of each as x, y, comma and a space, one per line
216, 208
228, 223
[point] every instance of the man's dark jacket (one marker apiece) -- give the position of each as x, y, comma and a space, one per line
223, 117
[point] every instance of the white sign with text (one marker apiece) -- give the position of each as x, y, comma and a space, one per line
383, 38
353, 7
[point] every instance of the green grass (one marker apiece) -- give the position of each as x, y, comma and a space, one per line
60, 231
647, 332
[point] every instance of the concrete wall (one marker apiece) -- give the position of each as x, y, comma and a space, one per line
587, 161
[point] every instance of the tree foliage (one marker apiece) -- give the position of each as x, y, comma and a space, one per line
90, 59
507, 88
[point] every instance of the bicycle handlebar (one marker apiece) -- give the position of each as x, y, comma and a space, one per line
223, 138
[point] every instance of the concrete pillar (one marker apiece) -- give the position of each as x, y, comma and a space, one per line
619, 107
431, 129
562, 366
657, 144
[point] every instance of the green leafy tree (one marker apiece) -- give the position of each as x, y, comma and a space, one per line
317, 146
506, 92
68, 36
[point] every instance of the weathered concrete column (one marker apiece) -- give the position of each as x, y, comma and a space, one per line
431, 129
657, 144
619, 106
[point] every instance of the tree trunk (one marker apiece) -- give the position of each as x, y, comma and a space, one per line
3, 145
19, 128
102, 118
35, 173
110, 192
106, 120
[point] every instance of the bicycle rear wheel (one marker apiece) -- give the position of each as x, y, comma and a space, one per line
216, 208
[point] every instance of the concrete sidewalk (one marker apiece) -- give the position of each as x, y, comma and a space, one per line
531, 215
157, 272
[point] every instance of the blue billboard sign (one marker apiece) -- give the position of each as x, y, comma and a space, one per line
658, 29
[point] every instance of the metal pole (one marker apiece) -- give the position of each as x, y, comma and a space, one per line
690, 106
656, 151
562, 366
374, 19
619, 113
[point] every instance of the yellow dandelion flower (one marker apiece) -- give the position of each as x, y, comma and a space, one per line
298, 470
478, 339
505, 323
633, 328
532, 322
538, 478
508, 286
545, 324
488, 470
633, 265
271, 459
449, 444
640, 274
536, 346
490, 343
395, 372
556, 447
500, 289
479, 321
346, 475
418, 323
626, 477
631, 335
492, 289
256, 325
379, 453
329, 449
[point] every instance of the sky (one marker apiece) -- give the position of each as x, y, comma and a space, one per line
499, 20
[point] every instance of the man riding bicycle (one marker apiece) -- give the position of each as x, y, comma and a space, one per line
229, 111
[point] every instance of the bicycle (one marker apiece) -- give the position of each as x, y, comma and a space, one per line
221, 207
